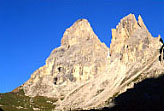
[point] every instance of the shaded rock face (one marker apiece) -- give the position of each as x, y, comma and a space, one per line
144, 96
84, 73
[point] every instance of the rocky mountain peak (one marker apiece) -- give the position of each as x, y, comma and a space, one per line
132, 40
82, 24
84, 73
80, 58
127, 24
79, 32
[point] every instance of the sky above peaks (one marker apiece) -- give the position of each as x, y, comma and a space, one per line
31, 29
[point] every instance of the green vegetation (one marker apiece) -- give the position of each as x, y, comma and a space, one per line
19, 102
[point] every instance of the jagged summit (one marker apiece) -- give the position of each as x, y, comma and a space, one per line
83, 23
84, 73
79, 32
130, 38
80, 57
79, 25
127, 23
130, 23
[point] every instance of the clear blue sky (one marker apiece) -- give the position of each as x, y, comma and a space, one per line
31, 29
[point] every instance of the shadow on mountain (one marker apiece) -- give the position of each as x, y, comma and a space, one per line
147, 95
1, 109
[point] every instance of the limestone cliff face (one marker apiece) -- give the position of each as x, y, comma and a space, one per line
84, 73
80, 57
131, 41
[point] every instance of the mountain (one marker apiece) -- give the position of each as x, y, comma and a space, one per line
84, 74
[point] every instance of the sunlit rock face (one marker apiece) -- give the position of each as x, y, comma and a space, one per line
132, 42
84, 73
80, 57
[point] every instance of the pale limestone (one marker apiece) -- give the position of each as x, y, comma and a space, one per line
84, 73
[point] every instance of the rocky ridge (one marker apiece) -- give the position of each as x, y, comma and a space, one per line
84, 73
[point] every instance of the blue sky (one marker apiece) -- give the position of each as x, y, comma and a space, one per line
31, 29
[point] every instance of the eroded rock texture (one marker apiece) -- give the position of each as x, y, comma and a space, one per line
84, 73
